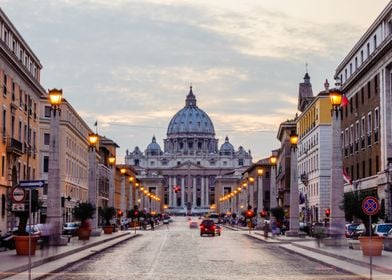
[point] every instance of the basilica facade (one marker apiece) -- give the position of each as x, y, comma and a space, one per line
192, 171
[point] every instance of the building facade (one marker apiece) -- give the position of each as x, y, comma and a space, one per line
73, 145
314, 157
21, 92
365, 75
184, 173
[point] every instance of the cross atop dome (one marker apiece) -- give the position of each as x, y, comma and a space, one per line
190, 98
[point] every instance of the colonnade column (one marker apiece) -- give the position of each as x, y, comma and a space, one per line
194, 192
170, 191
202, 192
207, 192
182, 191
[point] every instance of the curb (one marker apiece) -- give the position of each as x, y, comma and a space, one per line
23, 268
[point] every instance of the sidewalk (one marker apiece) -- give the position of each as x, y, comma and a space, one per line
342, 258
14, 267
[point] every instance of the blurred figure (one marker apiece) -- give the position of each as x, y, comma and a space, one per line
266, 229
319, 232
46, 235
273, 228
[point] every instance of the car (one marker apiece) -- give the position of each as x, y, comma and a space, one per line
167, 220
70, 228
207, 226
350, 230
359, 230
193, 224
218, 230
382, 229
389, 233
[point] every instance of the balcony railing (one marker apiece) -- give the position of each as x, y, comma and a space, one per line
14, 146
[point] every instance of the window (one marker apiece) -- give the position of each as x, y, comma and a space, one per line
361, 57
240, 162
351, 69
368, 49
2, 166
47, 111
3, 205
370, 167
4, 123
5, 84
362, 96
375, 41
356, 63
46, 138
46, 164
369, 123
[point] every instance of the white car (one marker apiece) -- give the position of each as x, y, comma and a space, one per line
382, 229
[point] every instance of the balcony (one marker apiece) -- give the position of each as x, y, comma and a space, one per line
14, 146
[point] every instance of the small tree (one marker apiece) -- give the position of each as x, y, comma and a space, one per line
352, 206
107, 214
84, 211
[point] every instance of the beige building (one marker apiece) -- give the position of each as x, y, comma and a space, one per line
73, 156
21, 93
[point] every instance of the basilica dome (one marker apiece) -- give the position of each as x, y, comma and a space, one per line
153, 148
190, 119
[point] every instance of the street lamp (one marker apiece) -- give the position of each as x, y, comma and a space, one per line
337, 219
92, 179
123, 171
54, 215
112, 164
260, 196
294, 193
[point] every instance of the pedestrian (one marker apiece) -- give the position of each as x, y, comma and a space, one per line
318, 234
152, 223
46, 233
273, 228
266, 229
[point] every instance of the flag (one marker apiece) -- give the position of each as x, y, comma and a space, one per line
96, 123
345, 101
301, 198
347, 178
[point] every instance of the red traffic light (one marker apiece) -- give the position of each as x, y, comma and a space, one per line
119, 213
249, 213
263, 213
136, 213
177, 189
327, 212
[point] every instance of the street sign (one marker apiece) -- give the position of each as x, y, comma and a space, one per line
32, 184
17, 194
370, 205
18, 207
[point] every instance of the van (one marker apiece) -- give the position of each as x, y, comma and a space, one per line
214, 217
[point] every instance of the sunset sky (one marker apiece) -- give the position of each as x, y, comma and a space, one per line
129, 64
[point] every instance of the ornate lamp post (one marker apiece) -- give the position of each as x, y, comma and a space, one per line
260, 196
251, 183
92, 179
122, 201
337, 219
131, 203
294, 193
112, 164
273, 199
54, 215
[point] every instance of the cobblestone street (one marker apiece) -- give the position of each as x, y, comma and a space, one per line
179, 252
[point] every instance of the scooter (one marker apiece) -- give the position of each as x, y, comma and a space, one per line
7, 241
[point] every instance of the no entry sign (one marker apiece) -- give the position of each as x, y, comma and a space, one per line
17, 195
370, 205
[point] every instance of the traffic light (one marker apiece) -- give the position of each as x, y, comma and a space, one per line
264, 213
249, 214
177, 189
119, 213
135, 213
327, 212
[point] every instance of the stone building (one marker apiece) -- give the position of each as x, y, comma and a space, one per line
365, 75
184, 174
21, 92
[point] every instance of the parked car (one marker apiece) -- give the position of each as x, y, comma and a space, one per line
389, 233
359, 230
350, 230
207, 226
167, 220
70, 228
382, 229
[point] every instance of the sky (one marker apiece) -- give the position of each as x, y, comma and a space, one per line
129, 64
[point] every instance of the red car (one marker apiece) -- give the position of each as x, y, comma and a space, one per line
207, 227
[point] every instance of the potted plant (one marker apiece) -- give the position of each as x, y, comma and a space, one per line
83, 212
21, 237
352, 205
107, 214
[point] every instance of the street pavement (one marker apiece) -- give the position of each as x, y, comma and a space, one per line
177, 252
342, 258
